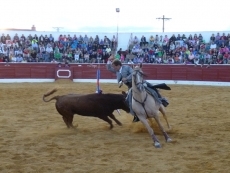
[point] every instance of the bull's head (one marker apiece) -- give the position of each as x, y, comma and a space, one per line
125, 105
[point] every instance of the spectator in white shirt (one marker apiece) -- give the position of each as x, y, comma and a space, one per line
213, 46
49, 48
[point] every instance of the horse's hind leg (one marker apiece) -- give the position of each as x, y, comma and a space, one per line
105, 118
114, 118
162, 110
167, 138
151, 132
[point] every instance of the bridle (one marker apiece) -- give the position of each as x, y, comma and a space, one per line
141, 82
136, 72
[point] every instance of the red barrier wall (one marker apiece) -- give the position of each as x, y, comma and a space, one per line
219, 73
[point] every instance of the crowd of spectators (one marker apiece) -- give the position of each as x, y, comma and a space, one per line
191, 49
46, 49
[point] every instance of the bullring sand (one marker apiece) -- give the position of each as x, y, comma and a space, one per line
34, 137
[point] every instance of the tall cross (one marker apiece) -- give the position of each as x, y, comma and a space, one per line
58, 28
163, 18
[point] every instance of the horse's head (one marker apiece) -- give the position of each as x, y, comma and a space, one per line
137, 77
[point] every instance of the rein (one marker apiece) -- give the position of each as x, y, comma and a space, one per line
142, 103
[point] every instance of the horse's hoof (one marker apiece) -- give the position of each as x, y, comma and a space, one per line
169, 140
157, 145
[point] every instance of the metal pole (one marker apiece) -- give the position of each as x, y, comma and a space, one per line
117, 10
117, 31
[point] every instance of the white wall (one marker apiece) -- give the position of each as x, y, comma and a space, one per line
123, 38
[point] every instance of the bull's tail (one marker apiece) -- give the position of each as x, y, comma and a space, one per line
48, 94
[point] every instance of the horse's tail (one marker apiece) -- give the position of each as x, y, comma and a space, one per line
48, 94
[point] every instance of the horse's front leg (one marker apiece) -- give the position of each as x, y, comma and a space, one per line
151, 132
167, 138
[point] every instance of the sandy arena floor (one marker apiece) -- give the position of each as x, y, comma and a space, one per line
34, 138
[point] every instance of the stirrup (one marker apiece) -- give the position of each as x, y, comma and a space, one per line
135, 119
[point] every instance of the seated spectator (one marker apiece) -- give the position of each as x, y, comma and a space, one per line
49, 48
86, 40
172, 39
143, 41
67, 64
51, 38
219, 59
86, 57
170, 60
212, 38
19, 58
228, 43
151, 40
130, 61
226, 58
184, 38
200, 37
3, 39
191, 57
96, 40
53, 61
135, 40
190, 38
108, 49
178, 37
8, 37
156, 39
172, 46
207, 58
195, 37
106, 41
166, 39
196, 60
46, 40
158, 60
16, 38
217, 39
114, 42
223, 37
146, 58
14, 58
225, 50
101, 43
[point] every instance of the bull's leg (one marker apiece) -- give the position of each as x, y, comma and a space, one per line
105, 118
167, 138
150, 130
66, 121
116, 120
70, 120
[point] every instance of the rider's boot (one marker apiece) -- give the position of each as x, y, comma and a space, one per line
164, 101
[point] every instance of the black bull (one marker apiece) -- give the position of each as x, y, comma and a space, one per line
95, 105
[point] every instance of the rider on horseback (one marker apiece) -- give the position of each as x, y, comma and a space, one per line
124, 75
